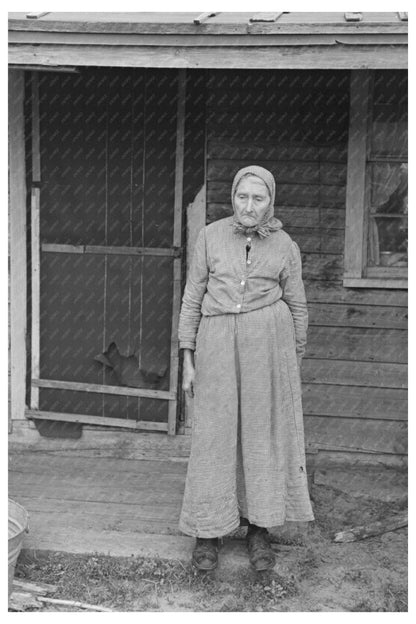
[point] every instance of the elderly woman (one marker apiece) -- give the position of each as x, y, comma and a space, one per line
243, 329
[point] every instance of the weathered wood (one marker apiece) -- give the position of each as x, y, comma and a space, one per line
321, 266
287, 194
331, 293
391, 523
103, 389
345, 373
17, 211
35, 261
291, 216
150, 40
357, 343
284, 57
38, 588
354, 402
347, 315
218, 148
356, 434
227, 23
317, 239
87, 419
372, 282
72, 603
355, 245
284, 172
114, 250
106, 443
177, 240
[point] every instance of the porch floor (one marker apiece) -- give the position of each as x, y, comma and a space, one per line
99, 504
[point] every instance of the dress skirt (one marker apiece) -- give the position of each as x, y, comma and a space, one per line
247, 455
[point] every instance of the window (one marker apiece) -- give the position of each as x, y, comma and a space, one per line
376, 220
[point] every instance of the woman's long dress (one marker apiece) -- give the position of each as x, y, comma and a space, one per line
247, 454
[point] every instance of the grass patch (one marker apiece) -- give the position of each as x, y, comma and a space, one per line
141, 584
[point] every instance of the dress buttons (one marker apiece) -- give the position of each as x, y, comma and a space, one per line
238, 305
242, 283
248, 239
248, 261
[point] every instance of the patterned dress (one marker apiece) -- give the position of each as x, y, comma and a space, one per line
244, 313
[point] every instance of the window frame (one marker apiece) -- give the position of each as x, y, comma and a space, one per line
357, 274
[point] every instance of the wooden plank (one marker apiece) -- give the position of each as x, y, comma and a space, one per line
347, 315
356, 434
35, 256
284, 57
326, 267
96, 420
106, 249
368, 282
357, 153
103, 389
231, 23
274, 150
332, 293
300, 172
150, 40
345, 373
177, 240
291, 216
357, 344
317, 239
354, 402
18, 262
287, 194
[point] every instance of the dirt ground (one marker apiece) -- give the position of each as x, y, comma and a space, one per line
312, 573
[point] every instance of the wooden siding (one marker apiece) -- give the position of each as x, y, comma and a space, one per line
354, 373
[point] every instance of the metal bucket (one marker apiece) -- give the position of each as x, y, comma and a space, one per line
18, 526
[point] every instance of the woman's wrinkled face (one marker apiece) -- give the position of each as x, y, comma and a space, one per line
251, 201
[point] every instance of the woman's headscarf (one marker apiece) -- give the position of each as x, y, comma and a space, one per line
269, 222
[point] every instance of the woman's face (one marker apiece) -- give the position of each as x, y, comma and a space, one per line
251, 200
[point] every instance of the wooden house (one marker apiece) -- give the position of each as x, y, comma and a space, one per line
125, 132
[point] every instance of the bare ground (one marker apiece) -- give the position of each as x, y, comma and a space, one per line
312, 573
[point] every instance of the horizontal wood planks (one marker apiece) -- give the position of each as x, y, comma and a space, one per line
354, 373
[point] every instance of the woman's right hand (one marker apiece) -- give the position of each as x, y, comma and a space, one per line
188, 375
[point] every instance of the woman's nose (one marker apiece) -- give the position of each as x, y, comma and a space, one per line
249, 207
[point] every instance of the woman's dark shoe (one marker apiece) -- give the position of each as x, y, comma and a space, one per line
205, 554
260, 552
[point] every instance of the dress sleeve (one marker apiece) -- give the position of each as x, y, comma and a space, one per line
195, 289
294, 295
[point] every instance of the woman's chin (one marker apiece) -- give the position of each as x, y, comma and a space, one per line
249, 221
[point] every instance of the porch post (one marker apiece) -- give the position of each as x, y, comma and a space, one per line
17, 207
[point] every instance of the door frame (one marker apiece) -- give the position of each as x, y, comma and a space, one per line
33, 412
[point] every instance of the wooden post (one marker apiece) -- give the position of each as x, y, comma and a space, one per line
357, 156
17, 180
35, 210
177, 235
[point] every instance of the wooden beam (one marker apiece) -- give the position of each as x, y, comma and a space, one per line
79, 386
17, 205
369, 282
357, 154
87, 419
90, 24
177, 236
114, 250
218, 57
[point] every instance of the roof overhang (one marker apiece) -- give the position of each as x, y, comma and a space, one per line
229, 40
